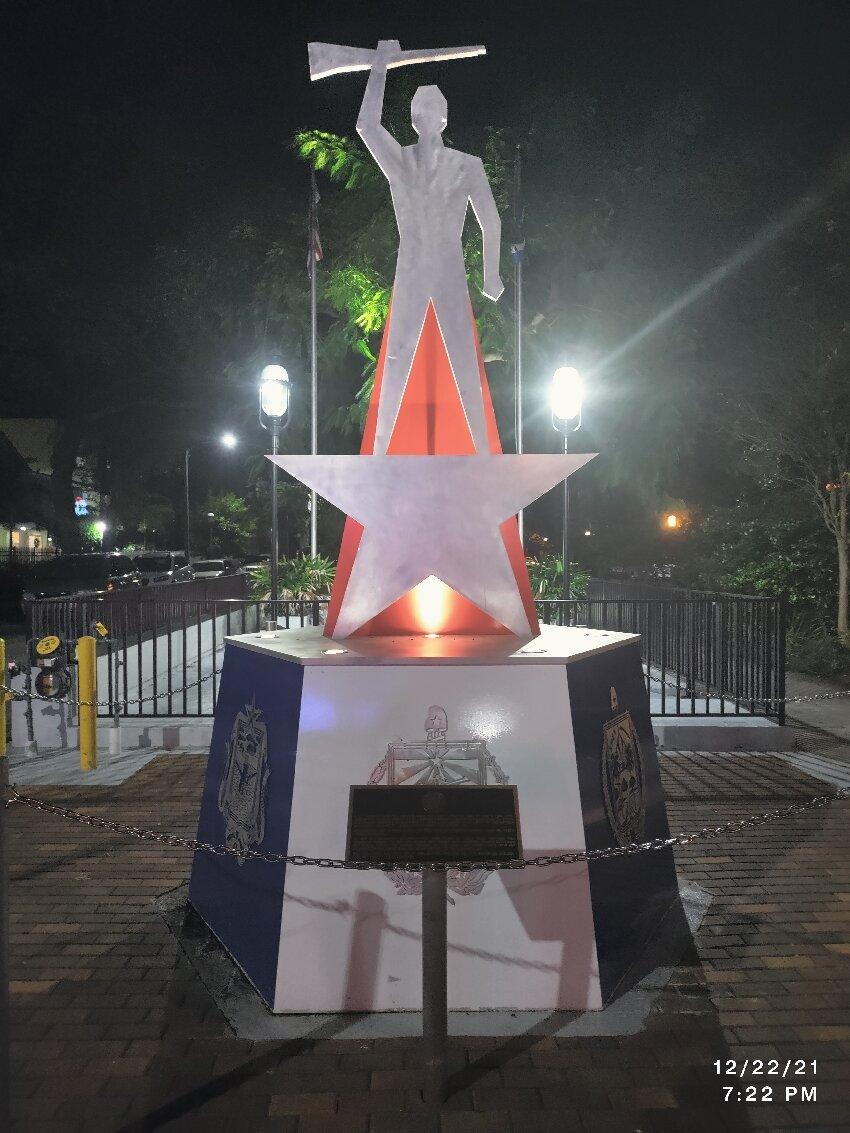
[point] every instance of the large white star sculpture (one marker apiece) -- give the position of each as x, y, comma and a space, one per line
429, 516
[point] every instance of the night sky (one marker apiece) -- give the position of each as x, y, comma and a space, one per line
123, 119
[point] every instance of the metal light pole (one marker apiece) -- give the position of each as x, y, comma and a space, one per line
315, 256
565, 399
275, 555
210, 517
566, 587
188, 512
518, 251
274, 415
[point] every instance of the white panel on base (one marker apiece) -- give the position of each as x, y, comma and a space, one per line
349, 941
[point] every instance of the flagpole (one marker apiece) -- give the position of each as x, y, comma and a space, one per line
518, 249
314, 372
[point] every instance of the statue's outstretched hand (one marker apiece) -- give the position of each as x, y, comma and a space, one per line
493, 288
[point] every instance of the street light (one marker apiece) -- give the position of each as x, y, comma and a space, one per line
274, 416
565, 399
226, 440
210, 518
101, 527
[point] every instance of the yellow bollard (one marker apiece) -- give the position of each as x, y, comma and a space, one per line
4, 676
87, 694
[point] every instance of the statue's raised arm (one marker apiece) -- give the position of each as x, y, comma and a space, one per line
432, 186
377, 138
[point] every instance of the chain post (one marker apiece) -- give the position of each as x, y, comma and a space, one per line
5, 1074
87, 670
780, 655
434, 984
4, 696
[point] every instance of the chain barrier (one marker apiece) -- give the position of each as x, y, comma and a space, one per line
22, 694
13, 796
755, 699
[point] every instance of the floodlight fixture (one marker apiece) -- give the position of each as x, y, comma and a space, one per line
274, 396
565, 399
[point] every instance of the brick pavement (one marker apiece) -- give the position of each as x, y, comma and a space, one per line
113, 1031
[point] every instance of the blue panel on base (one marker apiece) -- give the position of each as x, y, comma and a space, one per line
242, 903
630, 894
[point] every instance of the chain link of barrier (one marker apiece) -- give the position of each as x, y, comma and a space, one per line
13, 796
21, 694
755, 699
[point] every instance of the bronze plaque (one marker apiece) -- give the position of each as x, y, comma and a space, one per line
433, 824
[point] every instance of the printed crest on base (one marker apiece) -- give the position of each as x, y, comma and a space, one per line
242, 794
456, 763
622, 776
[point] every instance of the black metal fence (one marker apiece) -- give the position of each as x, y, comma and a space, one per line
704, 655
135, 611
14, 558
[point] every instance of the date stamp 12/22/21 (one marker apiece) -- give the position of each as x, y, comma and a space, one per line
777, 1080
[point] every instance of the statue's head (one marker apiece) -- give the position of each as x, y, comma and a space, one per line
429, 111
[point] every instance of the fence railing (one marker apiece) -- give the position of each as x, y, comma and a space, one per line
703, 656
13, 558
138, 610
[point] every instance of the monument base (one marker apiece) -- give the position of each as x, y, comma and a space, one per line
564, 717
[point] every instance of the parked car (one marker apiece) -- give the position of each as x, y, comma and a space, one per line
210, 568
76, 574
251, 565
163, 566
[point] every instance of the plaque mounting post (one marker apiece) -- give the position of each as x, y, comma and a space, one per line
434, 987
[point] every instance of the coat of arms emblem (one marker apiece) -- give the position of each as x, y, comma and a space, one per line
622, 776
454, 763
242, 794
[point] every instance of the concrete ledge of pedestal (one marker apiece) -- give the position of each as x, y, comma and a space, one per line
718, 733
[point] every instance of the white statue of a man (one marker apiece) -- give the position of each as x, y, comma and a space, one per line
431, 187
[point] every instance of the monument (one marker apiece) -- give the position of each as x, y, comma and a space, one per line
431, 619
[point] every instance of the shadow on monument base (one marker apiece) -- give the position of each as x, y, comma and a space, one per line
625, 1011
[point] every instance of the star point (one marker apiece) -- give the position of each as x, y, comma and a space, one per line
432, 515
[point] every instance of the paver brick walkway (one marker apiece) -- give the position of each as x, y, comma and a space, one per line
113, 1031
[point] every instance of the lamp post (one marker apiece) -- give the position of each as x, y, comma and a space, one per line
565, 399
274, 416
227, 440
210, 518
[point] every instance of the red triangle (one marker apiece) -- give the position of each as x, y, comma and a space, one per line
431, 421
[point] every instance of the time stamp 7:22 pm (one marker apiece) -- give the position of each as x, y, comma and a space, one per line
768, 1068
